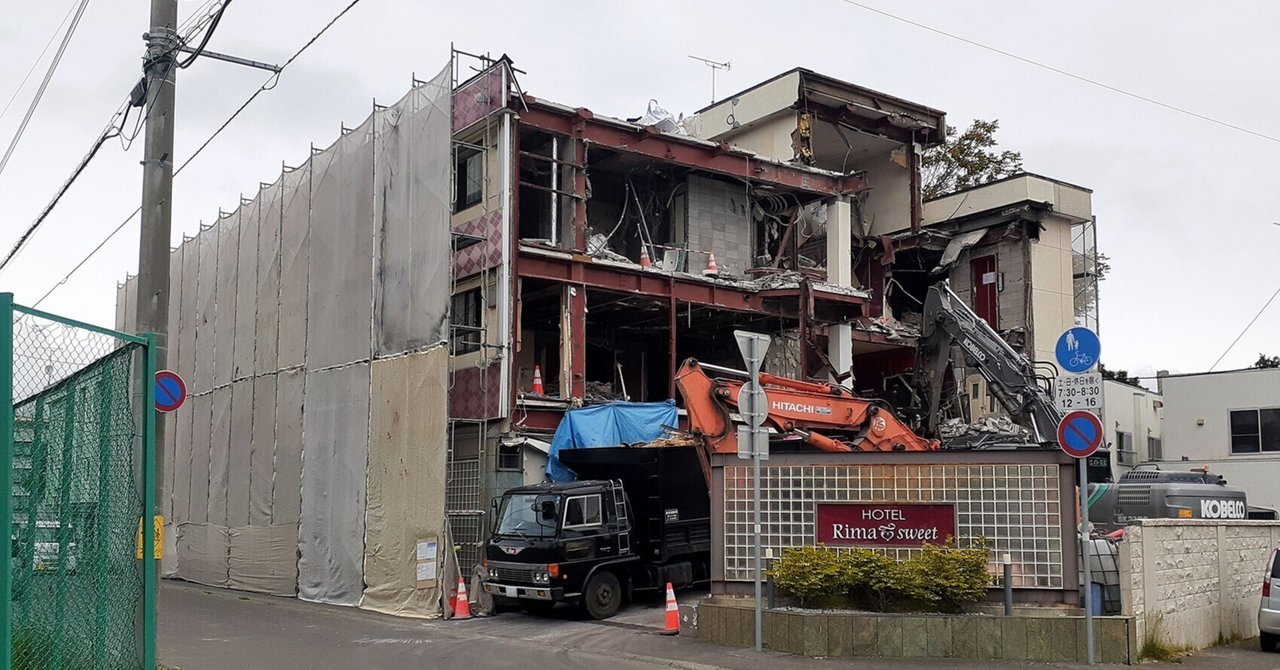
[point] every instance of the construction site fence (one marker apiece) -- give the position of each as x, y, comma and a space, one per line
77, 463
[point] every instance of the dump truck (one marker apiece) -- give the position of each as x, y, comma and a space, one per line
637, 519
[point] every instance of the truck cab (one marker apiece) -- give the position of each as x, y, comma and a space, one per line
641, 522
549, 542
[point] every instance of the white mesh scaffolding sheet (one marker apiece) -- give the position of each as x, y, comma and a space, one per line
280, 311
1016, 507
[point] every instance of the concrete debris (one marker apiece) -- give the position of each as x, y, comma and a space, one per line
598, 247
597, 392
993, 425
892, 328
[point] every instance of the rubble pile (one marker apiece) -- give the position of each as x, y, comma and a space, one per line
990, 425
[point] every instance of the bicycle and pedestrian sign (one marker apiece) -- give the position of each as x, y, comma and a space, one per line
1078, 350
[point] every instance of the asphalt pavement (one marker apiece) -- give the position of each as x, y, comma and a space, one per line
203, 628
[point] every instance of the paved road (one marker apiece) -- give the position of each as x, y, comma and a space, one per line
211, 629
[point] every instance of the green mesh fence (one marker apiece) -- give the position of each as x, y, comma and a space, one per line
76, 585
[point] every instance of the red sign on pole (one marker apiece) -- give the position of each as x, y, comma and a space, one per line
884, 524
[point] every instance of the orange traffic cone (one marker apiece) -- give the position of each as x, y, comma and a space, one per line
537, 380
645, 261
673, 613
462, 608
712, 268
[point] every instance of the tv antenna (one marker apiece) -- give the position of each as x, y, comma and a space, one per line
726, 66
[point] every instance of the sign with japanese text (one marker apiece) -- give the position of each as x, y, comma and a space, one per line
1073, 392
884, 524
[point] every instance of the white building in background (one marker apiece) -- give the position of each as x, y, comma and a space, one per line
1229, 421
1132, 417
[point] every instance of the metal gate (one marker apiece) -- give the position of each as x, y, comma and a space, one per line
77, 435
466, 514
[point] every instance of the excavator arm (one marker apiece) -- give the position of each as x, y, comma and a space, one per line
1011, 378
826, 416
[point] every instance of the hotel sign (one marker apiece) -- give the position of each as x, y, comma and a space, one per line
884, 525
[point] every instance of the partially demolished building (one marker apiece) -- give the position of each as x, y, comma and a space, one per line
590, 256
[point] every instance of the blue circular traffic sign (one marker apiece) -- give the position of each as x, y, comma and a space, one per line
1080, 434
1078, 349
170, 391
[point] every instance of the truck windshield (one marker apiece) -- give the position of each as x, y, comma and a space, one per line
519, 515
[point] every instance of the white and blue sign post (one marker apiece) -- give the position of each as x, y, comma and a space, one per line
1080, 433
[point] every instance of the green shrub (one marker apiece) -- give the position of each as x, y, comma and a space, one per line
946, 577
809, 572
940, 578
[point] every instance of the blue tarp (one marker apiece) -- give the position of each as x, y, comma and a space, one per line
609, 425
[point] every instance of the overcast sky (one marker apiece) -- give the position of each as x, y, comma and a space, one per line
1185, 207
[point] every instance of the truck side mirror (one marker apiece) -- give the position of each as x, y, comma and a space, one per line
547, 510
493, 515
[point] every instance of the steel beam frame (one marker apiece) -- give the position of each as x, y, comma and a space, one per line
718, 158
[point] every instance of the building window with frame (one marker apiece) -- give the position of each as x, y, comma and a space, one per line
509, 458
466, 322
468, 177
1155, 449
1255, 431
1124, 448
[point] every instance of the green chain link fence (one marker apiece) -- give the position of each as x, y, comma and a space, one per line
78, 466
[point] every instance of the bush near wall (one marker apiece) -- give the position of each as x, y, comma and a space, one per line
938, 579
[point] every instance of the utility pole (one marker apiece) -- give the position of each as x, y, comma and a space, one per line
160, 71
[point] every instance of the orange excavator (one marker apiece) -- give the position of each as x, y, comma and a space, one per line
826, 416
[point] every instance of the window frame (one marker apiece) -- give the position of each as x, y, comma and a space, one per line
1260, 435
458, 345
568, 502
1125, 456
464, 159
512, 450
1156, 454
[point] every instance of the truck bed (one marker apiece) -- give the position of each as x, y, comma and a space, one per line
670, 504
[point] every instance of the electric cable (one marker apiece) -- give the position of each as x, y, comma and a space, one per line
213, 26
44, 85
113, 129
54, 36
1065, 73
269, 84
1246, 329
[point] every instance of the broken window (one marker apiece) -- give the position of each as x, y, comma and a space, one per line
468, 177
467, 319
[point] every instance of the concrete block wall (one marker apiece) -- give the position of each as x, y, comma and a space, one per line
1191, 583
833, 634
719, 222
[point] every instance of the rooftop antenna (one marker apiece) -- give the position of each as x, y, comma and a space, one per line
714, 66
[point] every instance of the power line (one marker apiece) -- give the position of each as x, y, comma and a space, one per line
1072, 75
35, 102
1246, 329
39, 58
269, 84
113, 129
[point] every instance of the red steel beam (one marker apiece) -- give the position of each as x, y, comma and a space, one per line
721, 159
581, 270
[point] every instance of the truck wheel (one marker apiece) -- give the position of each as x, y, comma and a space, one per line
1268, 641
603, 595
